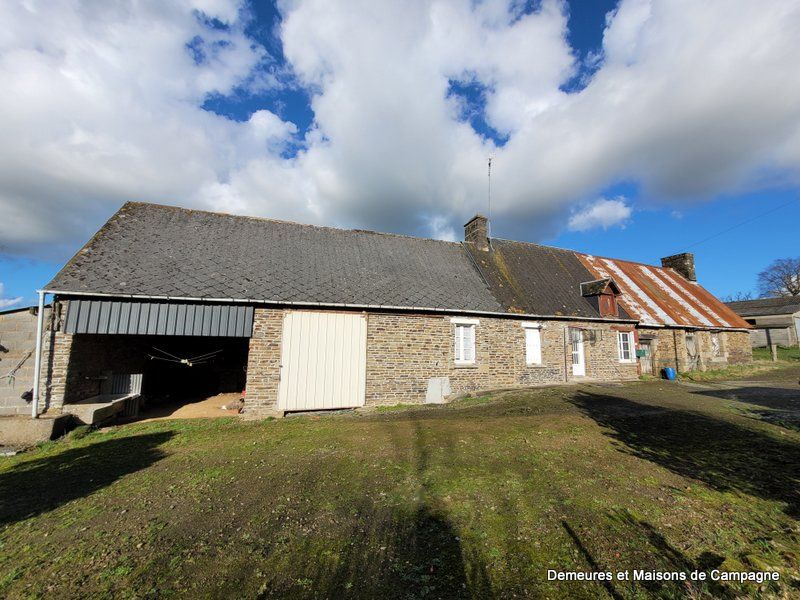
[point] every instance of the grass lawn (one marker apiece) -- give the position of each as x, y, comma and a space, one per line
788, 354
762, 362
474, 499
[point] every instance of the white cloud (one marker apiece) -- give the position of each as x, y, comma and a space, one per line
7, 302
101, 104
602, 213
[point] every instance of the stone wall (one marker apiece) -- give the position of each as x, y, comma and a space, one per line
405, 350
81, 363
669, 348
738, 347
263, 361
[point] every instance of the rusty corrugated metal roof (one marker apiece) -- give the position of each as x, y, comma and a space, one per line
660, 296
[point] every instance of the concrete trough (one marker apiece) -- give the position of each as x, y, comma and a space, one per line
103, 408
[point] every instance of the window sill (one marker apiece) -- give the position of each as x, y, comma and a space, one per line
465, 365
536, 366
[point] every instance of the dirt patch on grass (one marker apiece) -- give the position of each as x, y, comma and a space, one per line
201, 408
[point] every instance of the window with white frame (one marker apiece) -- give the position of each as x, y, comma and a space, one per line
464, 346
533, 343
625, 346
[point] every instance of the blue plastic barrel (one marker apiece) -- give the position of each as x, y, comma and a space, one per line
669, 373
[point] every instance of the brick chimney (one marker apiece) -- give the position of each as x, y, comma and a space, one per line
682, 263
476, 232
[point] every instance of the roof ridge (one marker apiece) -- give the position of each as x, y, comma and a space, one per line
776, 299
633, 262
283, 221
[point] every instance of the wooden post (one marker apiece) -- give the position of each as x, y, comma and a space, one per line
773, 348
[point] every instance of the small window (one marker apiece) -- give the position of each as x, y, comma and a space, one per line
465, 344
625, 346
716, 345
533, 346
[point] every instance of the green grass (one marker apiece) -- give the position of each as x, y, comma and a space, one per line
762, 362
474, 499
784, 354
732, 372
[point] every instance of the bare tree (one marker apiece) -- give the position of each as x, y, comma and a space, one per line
738, 297
781, 278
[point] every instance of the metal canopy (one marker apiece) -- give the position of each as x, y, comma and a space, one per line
128, 317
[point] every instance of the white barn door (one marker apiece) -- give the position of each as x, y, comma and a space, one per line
323, 361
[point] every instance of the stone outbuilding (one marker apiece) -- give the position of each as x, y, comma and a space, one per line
310, 318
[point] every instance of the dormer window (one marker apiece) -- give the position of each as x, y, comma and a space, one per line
602, 293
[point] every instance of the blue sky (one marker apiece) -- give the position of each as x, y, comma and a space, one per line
632, 130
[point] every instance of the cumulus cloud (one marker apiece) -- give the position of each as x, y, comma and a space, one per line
7, 302
102, 103
602, 213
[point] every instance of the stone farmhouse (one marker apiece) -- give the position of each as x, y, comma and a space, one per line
308, 318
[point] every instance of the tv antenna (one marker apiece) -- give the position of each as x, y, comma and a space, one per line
489, 193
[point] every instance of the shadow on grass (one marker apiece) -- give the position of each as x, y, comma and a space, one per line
43, 484
780, 406
722, 454
392, 554
776, 398
390, 549
410, 555
657, 554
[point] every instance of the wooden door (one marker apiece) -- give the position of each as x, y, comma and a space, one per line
646, 359
323, 361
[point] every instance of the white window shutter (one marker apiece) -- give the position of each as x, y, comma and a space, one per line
533, 346
464, 348
469, 343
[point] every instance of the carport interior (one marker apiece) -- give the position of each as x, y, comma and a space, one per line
175, 369
184, 351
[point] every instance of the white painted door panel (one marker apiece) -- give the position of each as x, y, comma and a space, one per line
323, 361
578, 357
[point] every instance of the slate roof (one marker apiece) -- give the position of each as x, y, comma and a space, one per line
155, 251
766, 306
163, 251
532, 279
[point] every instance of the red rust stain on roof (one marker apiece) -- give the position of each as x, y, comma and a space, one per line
660, 295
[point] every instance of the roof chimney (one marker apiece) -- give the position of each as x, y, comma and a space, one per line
476, 232
682, 263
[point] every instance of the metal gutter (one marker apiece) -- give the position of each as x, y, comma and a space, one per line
37, 359
392, 307
344, 305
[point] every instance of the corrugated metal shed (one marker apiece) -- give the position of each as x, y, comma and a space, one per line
158, 318
658, 296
